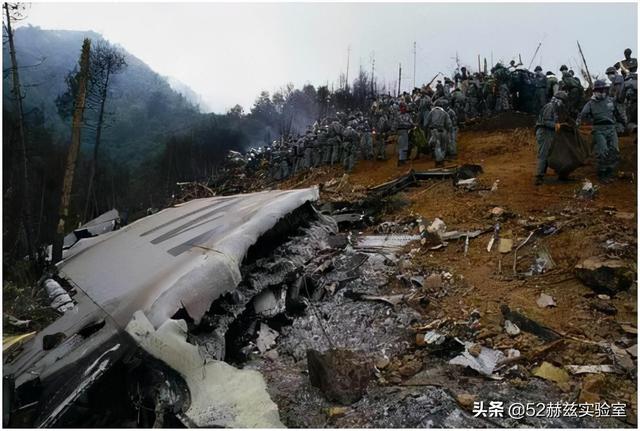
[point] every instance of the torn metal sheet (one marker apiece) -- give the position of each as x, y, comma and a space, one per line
434, 338
511, 328
469, 184
393, 186
267, 304
592, 369
389, 242
184, 256
266, 338
528, 325
543, 262
550, 372
545, 301
438, 173
456, 234
393, 300
485, 363
221, 395
102, 224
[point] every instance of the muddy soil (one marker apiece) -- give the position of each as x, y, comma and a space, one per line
483, 281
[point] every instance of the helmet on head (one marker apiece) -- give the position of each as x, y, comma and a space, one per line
627, 51
442, 102
599, 85
563, 68
561, 95
550, 73
538, 69
610, 70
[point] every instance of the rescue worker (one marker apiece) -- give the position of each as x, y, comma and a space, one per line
335, 131
403, 126
418, 141
629, 64
547, 125
366, 142
424, 106
448, 87
502, 76
571, 85
439, 90
461, 78
488, 92
601, 111
473, 98
308, 152
322, 150
616, 92
382, 128
458, 102
630, 97
540, 84
438, 124
552, 85
349, 148
452, 147
297, 157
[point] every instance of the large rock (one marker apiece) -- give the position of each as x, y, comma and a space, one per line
342, 375
605, 275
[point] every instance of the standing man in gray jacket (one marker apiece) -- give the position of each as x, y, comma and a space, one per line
546, 126
438, 124
603, 113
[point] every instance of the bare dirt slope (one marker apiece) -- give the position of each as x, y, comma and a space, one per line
485, 280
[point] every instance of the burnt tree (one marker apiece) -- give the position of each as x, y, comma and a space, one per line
13, 11
105, 61
74, 148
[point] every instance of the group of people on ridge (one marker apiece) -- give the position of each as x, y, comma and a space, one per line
427, 120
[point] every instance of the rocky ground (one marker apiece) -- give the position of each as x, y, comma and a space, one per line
462, 294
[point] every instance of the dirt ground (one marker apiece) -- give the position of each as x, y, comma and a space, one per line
485, 280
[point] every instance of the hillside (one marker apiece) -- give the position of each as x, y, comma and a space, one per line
145, 108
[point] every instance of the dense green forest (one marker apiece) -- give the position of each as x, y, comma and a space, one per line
150, 135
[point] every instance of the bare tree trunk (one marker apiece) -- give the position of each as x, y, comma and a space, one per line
41, 210
17, 94
94, 162
74, 149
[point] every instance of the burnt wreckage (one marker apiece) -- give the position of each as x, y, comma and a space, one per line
157, 311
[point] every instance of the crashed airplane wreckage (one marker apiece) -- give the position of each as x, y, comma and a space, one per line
125, 346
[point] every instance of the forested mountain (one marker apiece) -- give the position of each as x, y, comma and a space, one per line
142, 106
151, 136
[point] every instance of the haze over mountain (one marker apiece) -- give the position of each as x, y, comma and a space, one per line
142, 105
229, 52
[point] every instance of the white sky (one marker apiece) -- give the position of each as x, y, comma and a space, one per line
228, 53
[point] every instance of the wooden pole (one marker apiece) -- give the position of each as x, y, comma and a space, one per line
346, 80
534, 55
585, 65
414, 65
